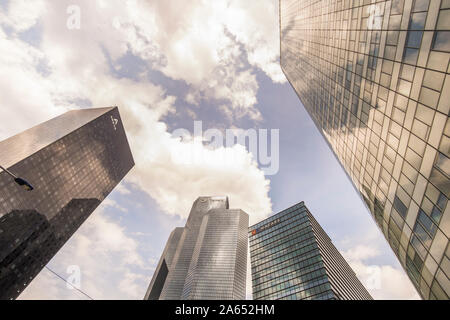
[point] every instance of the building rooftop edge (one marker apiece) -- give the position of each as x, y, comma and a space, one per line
24, 144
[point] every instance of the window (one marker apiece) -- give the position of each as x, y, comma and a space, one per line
414, 39
397, 6
417, 21
422, 235
443, 22
392, 38
421, 5
443, 163
410, 56
442, 201
404, 87
400, 207
394, 22
408, 72
426, 223
429, 97
420, 249
433, 80
436, 214
389, 52
442, 41
438, 61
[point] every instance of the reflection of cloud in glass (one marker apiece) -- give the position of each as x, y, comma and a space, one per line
418, 21
443, 163
414, 39
410, 56
38, 137
397, 7
74, 161
421, 5
442, 41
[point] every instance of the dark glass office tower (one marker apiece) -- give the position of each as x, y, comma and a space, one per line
374, 77
73, 162
292, 258
207, 259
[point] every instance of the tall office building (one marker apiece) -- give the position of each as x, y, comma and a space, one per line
292, 258
207, 259
73, 162
374, 77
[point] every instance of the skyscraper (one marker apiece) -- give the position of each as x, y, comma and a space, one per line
207, 259
73, 162
292, 258
374, 77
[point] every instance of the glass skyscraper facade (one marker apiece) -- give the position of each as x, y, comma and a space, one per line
207, 259
73, 162
292, 258
374, 77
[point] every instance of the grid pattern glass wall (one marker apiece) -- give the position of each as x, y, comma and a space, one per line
343, 279
165, 263
291, 260
219, 265
374, 77
71, 176
173, 287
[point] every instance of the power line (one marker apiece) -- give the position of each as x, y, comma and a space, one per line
62, 278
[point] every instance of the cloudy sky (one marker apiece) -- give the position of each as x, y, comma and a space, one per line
167, 64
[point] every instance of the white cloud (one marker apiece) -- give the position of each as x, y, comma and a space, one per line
85, 75
112, 203
198, 48
26, 99
382, 281
48, 286
22, 14
129, 285
255, 25
122, 189
71, 65
200, 42
111, 266
175, 185
361, 252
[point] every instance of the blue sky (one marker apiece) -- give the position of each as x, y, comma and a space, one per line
167, 64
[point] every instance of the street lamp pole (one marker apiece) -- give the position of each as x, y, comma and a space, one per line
21, 182
8, 172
